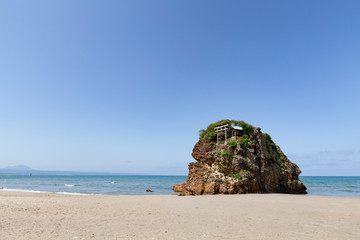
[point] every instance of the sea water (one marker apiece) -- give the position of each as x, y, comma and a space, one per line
160, 185
109, 185
332, 186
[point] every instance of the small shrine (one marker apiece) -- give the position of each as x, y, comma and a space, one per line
235, 130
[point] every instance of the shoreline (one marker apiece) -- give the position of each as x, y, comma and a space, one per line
45, 192
173, 194
241, 216
322, 186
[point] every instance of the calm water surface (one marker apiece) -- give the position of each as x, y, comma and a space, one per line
332, 186
137, 185
109, 185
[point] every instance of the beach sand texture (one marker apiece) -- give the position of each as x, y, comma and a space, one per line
251, 216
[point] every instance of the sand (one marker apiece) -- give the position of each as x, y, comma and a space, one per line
251, 216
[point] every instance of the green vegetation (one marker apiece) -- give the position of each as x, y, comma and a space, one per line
281, 158
244, 141
224, 153
214, 146
236, 176
232, 143
271, 143
267, 137
210, 133
246, 127
244, 170
282, 165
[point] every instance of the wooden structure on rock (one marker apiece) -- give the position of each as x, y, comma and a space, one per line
224, 128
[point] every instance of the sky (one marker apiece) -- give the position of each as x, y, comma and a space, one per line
125, 86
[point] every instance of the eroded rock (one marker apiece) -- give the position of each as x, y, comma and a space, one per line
247, 163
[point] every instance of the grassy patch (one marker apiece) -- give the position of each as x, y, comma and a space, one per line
232, 143
210, 134
226, 153
236, 176
270, 142
244, 141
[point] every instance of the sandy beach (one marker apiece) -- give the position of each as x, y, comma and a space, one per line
252, 216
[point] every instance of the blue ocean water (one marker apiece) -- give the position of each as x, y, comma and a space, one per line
332, 186
160, 185
109, 185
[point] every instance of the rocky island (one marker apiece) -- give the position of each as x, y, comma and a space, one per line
235, 157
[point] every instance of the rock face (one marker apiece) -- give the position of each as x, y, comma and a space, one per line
247, 163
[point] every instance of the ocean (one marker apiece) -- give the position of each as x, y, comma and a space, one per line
160, 185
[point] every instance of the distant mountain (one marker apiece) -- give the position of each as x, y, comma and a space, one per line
25, 170
18, 167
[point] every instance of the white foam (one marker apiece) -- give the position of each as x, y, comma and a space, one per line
20, 190
69, 193
69, 185
33, 191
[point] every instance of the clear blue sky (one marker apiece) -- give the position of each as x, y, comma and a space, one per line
124, 86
